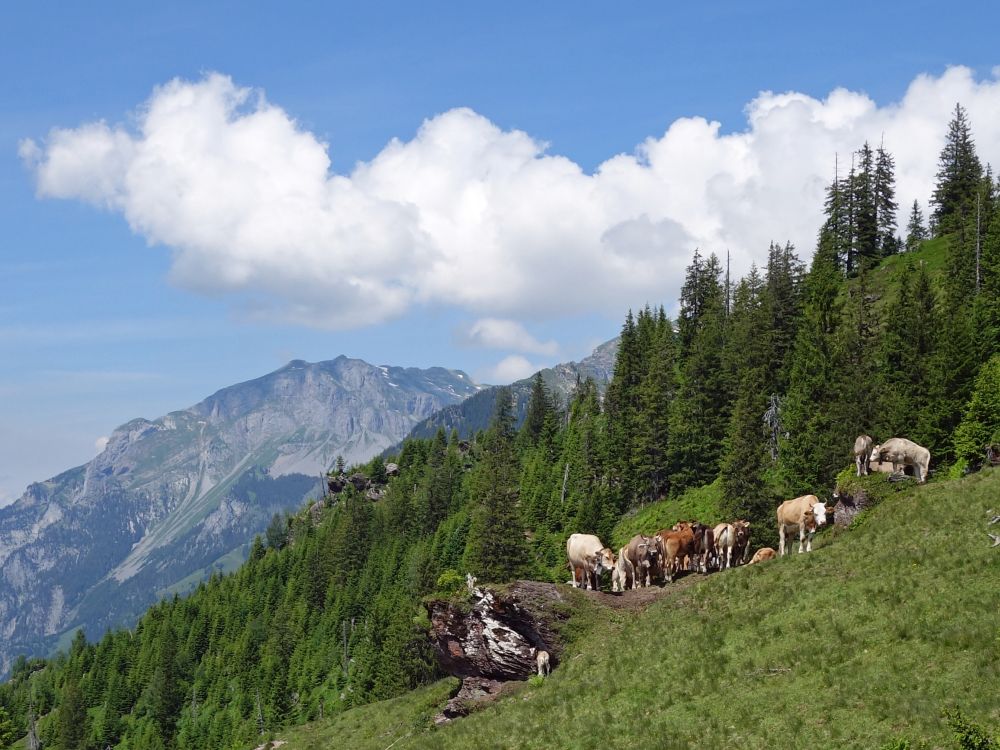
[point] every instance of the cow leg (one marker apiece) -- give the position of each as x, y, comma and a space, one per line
802, 537
781, 540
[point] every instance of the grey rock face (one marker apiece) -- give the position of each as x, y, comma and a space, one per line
474, 414
170, 500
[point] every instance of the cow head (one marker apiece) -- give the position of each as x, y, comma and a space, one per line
819, 512
876, 454
681, 526
604, 560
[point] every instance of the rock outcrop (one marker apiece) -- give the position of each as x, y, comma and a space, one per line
487, 641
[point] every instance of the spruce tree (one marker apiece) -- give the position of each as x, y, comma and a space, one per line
865, 213
71, 716
750, 349
699, 411
916, 232
884, 182
812, 453
496, 549
959, 173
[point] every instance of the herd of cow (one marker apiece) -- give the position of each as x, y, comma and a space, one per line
691, 545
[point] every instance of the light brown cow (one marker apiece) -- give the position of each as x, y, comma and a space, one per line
805, 513
623, 576
587, 552
901, 452
764, 553
862, 453
741, 548
677, 546
644, 556
725, 540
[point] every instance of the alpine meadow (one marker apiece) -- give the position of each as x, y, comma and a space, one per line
886, 635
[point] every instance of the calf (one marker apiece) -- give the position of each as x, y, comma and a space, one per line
623, 575
542, 662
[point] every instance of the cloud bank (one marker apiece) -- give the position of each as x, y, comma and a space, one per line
470, 215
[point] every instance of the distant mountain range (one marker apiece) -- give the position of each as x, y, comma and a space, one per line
169, 501
474, 413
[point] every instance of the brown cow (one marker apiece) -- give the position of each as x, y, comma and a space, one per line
677, 546
805, 513
764, 553
741, 547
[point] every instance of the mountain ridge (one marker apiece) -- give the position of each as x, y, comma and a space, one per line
170, 497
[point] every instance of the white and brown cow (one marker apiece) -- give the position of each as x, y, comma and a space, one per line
644, 555
862, 453
623, 576
901, 452
804, 513
588, 557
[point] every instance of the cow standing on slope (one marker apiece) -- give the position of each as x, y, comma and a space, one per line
588, 557
643, 555
862, 453
804, 513
902, 452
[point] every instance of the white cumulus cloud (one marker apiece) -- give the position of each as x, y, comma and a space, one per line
509, 369
468, 214
498, 333
101, 443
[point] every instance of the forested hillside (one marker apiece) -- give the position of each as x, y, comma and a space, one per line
753, 394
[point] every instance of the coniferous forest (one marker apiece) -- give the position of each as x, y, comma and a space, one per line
757, 387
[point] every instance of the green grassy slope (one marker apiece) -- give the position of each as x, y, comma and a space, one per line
865, 640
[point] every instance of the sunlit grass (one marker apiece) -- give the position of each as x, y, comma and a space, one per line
865, 640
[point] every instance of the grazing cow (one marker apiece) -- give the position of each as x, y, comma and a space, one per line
644, 556
677, 545
805, 513
623, 576
587, 552
764, 553
542, 662
902, 452
862, 453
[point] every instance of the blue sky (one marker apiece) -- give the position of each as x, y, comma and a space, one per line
111, 308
